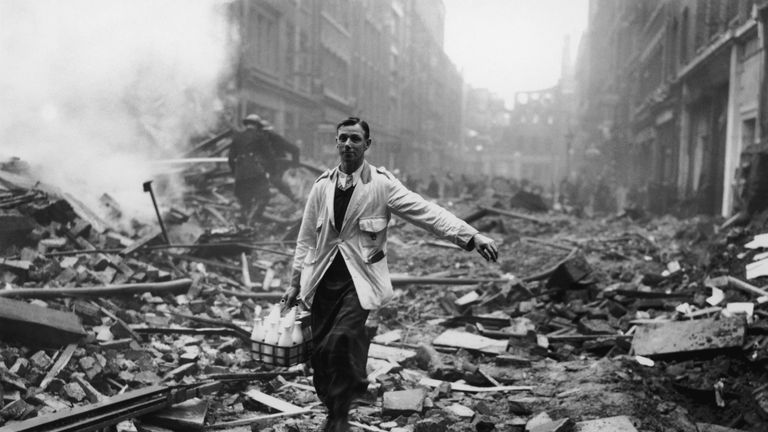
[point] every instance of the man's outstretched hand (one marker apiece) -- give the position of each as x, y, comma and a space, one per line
486, 247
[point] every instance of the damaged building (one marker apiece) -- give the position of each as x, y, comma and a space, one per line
306, 64
669, 97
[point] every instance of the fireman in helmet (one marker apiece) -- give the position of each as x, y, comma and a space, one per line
257, 159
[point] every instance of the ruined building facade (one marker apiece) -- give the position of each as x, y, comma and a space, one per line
307, 64
668, 98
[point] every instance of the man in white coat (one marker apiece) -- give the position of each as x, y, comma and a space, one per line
340, 268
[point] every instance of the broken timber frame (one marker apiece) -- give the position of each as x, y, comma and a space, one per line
179, 286
112, 410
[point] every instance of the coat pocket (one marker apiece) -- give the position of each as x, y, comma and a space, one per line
373, 231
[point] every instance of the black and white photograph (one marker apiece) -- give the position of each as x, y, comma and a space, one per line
384, 215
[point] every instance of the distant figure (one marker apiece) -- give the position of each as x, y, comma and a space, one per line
254, 161
433, 188
449, 186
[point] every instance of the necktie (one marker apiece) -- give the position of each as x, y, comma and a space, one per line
347, 183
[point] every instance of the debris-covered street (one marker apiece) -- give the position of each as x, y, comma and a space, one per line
384, 215
610, 323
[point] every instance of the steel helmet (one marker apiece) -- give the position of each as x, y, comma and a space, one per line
254, 119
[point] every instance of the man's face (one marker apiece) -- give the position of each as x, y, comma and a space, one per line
351, 143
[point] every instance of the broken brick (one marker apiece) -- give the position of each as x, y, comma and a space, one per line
404, 402
686, 336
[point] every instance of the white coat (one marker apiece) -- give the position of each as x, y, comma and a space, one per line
362, 241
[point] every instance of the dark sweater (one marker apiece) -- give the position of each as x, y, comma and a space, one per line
337, 274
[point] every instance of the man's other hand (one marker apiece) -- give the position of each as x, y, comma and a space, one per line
289, 298
486, 247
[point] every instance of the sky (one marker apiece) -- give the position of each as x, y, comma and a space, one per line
512, 45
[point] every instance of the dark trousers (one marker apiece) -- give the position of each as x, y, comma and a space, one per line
340, 347
253, 195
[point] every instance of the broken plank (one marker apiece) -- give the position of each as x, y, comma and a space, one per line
38, 325
429, 382
582, 337
270, 296
388, 337
382, 367
257, 419
613, 424
92, 394
246, 271
402, 280
366, 427
461, 339
179, 286
97, 223
686, 336
732, 282
143, 241
61, 362
390, 353
272, 401
16, 264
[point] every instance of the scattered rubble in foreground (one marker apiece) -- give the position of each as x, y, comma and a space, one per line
625, 323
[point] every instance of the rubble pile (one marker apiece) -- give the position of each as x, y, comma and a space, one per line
619, 324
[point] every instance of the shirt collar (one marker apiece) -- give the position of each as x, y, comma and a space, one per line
341, 177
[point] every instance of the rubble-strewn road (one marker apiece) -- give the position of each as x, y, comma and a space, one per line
546, 342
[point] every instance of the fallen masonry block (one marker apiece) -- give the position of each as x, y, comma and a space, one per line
403, 402
686, 336
562, 425
431, 424
390, 353
613, 424
571, 273
595, 327
38, 325
17, 410
539, 419
461, 339
460, 410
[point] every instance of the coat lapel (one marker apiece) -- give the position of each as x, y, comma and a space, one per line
330, 191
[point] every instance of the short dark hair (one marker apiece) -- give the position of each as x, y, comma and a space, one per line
351, 121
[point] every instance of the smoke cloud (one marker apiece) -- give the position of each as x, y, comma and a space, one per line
92, 91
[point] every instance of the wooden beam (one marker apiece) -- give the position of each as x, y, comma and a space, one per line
514, 215
429, 382
257, 419
61, 362
272, 401
172, 287
39, 325
732, 282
